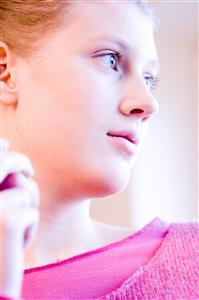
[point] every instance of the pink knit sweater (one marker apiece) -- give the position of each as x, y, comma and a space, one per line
173, 272
158, 262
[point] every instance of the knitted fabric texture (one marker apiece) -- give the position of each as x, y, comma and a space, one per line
171, 274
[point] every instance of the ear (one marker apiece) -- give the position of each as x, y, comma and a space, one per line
8, 91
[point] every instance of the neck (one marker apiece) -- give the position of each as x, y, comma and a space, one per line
64, 230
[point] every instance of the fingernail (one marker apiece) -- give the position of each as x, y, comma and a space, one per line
29, 173
4, 143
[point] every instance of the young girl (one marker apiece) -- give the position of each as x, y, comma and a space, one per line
76, 80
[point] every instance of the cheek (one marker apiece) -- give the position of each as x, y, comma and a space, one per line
68, 110
84, 101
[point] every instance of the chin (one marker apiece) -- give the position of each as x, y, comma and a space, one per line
110, 182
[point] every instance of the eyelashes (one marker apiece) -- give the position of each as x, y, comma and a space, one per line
115, 61
155, 83
110, 58
151, 81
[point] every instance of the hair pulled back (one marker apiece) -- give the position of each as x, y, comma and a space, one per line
24, 22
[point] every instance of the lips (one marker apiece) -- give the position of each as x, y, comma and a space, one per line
128, 135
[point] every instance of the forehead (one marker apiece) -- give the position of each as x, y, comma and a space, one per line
92, 21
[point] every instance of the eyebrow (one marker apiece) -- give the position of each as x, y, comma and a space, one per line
154, 63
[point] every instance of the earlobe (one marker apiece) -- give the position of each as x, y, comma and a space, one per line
8, 91
7, 95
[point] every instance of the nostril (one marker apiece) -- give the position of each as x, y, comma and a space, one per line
137, 111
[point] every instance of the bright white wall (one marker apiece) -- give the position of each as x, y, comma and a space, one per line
164, 177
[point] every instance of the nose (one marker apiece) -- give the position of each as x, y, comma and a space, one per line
137, 100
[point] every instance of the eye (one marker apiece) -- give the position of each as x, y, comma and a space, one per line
110, 60
151, 81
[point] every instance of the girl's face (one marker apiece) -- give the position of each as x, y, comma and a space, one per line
76, 89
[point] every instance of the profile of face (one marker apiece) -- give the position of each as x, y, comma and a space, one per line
90, 77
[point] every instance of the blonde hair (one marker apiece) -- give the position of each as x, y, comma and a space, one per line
24, 22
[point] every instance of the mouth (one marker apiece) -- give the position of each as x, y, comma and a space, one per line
125, 143
128, 135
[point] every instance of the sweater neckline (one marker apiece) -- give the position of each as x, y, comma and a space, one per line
147, 227
132, 280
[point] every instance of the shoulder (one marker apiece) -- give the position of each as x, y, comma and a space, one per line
182, 234
178, 259
179, 247
183, 242
172, 273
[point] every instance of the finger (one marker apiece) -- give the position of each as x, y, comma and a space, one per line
20, 220
14, 162
13, 198
29, 226
20, 181
30, 218
30, 233
4, 144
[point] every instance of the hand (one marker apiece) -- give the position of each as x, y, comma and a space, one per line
19, 217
